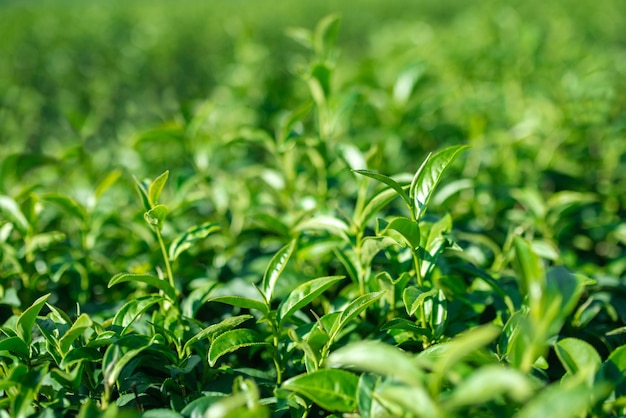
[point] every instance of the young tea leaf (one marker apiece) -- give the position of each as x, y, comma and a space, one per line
148, 279
78, 328
185, 240
156, 187
133, 309
25, 322
216, 329
332, 389
242, 302
389, 182
156, 216
15, 345
12, 211
275, 268
303, 295
428, 177
578, 356
489, 383
377, 357
120, 353
232, 341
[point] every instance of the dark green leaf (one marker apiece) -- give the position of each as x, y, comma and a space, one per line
120, 353
15, 345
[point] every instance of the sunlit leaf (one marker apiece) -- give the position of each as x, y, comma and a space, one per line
233, 340
216, 329
489, 383
148, 279
389, 182
275, 267
26, 321
12, 211
429, 175
303, 295
156, 187
82, 323
133, 309
379, 358
332, 389
185, 240
156, 216
241, 302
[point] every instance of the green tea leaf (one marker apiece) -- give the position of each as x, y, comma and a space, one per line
185, 240
578, 356
563, 401
325, 35
532, 273
303, 295
133, 309
156, 187
232, 341
489, 383
12, 211
389, 182
446, 355
156, 216
26, 321
148, 279
66, 203
78, 328
379, 358
409, 230
374, 206
413, 297
15, 345
428, 177
353, 309
408, 400
242, 302
120, 353
216, 329
330, 224
108, 181
275, 268
333, 390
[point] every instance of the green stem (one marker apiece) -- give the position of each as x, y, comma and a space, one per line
168, 267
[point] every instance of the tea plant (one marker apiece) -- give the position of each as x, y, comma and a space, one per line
318, 244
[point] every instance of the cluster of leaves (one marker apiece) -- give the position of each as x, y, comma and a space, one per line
287, 275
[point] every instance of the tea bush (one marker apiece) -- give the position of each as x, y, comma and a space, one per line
357, 210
